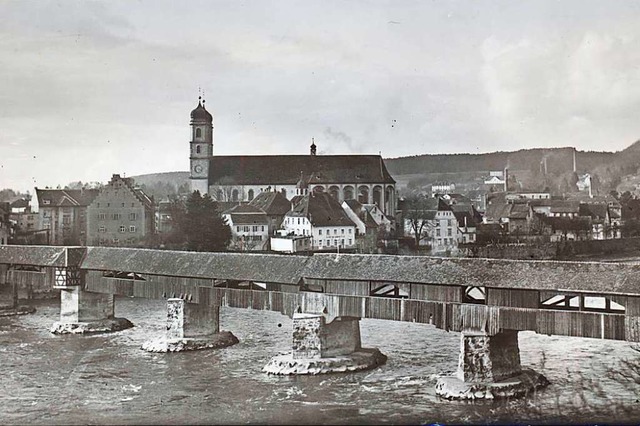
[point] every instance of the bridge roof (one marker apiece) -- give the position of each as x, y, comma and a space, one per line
595, 277
33, 255
235, 266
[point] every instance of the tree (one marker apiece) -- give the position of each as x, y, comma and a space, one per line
202, 226
418, 216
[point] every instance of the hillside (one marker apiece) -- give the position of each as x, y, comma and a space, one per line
558, 160
162, 185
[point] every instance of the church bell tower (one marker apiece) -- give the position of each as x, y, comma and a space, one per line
201, 147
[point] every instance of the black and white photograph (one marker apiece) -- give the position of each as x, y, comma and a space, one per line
319, 212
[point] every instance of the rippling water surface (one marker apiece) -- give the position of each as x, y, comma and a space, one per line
108, 379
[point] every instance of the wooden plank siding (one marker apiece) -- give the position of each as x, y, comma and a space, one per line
437, 293
513, 298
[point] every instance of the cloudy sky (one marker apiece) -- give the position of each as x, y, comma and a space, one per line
92, 88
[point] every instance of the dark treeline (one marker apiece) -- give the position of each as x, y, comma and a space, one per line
558, 160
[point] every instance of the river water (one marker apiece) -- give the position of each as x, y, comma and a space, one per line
108, 379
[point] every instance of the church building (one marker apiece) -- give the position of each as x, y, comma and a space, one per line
242, 177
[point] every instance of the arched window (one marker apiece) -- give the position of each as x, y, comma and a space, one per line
284, 192
198, 133
250, 194
219, 195
234, 195
197, 149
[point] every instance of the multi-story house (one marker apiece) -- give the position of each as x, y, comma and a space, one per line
274, 205
436, 223
320, 216
249, 227
120, 215
63, 213
26, 220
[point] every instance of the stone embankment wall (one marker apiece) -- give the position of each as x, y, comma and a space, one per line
562, 250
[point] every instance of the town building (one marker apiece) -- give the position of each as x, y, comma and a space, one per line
241, 178
372, 225
63, 214
249, 227
435, 221
320, 216
121, 214
26, 221
274, 205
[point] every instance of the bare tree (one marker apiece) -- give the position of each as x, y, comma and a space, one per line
419, 216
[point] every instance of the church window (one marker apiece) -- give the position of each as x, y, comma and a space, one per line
234, 195
250, 194
284, 192
198, 135
197, 149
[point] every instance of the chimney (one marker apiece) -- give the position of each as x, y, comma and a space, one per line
506, 179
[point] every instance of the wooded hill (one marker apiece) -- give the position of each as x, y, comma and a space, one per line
558, 160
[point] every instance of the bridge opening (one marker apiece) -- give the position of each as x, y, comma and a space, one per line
243, 285
389, 290
572, 302
474, 294
123, 275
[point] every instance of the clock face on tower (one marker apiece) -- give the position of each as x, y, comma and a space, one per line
198, 168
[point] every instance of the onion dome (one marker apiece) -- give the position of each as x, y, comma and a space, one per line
201, 113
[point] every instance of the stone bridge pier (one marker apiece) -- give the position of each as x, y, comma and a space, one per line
489, 367
319, 346
191, 326
86, 312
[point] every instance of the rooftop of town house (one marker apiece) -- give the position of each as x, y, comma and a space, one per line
272, 203
66, 197
321, 209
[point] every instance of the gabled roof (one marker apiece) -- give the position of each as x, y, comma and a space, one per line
20, 203
246, 214
66, 197
286, 169
519, 211
129, 183
322, 210
272, 203
595, 211
244, 208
